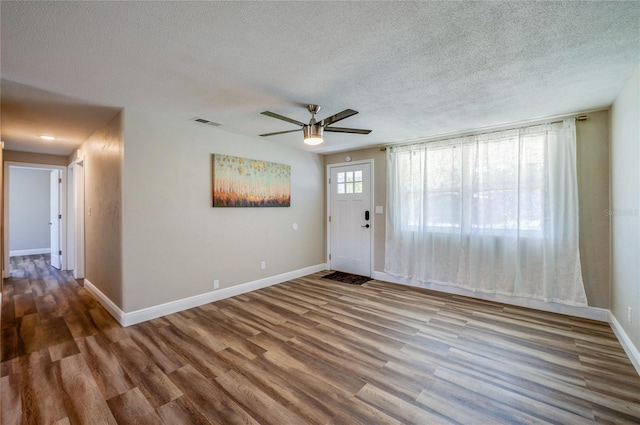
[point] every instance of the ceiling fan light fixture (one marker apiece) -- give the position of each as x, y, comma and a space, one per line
313, 131
313, 134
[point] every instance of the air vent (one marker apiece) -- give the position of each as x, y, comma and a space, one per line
203, 121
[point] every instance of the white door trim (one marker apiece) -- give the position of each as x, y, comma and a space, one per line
328, 212
78, 214
71, 226
7, 197
55, 221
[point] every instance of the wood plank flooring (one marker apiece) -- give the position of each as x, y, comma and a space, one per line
308, 351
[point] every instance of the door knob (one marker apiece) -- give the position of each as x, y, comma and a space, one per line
367, 226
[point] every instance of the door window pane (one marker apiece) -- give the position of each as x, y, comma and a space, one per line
349, 182
357, 177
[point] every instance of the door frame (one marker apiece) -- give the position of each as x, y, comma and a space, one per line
71, 226
55, 220
7, 198
76, 213
328, 212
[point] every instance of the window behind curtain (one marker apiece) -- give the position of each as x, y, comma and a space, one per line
491, 213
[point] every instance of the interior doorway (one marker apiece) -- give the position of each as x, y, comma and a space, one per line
35, 213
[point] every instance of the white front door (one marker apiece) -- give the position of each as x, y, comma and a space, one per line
351, 218
54, 221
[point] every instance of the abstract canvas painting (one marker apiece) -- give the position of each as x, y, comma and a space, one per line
243, 182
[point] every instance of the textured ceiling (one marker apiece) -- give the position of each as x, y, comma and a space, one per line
412, 69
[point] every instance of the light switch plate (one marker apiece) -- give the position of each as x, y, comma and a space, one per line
378, 209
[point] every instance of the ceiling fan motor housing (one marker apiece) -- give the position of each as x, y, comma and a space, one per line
313, 132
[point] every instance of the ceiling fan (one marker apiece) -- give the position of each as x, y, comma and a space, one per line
313, 131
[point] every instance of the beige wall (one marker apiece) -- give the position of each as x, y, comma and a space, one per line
103, 160
176, 244
35, 158
593, 171
593, 198
31, 158
625, 207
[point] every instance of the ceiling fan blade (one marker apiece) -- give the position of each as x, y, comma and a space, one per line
279, 132
347, 130
337, 117
283, 118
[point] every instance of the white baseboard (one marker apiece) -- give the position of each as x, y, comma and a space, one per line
142, 315
36, 251
625, 341
106, 302
594, 313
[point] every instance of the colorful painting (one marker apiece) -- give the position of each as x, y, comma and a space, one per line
242, 182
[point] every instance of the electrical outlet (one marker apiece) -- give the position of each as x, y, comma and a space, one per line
629, 314
216, 284
263, 265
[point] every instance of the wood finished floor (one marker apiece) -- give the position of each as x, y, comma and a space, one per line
308, 351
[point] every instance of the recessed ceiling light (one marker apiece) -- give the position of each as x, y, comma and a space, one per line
48, 137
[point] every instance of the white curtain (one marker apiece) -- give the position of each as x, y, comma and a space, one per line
494, 213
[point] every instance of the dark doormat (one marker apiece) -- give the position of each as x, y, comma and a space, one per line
343, 277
